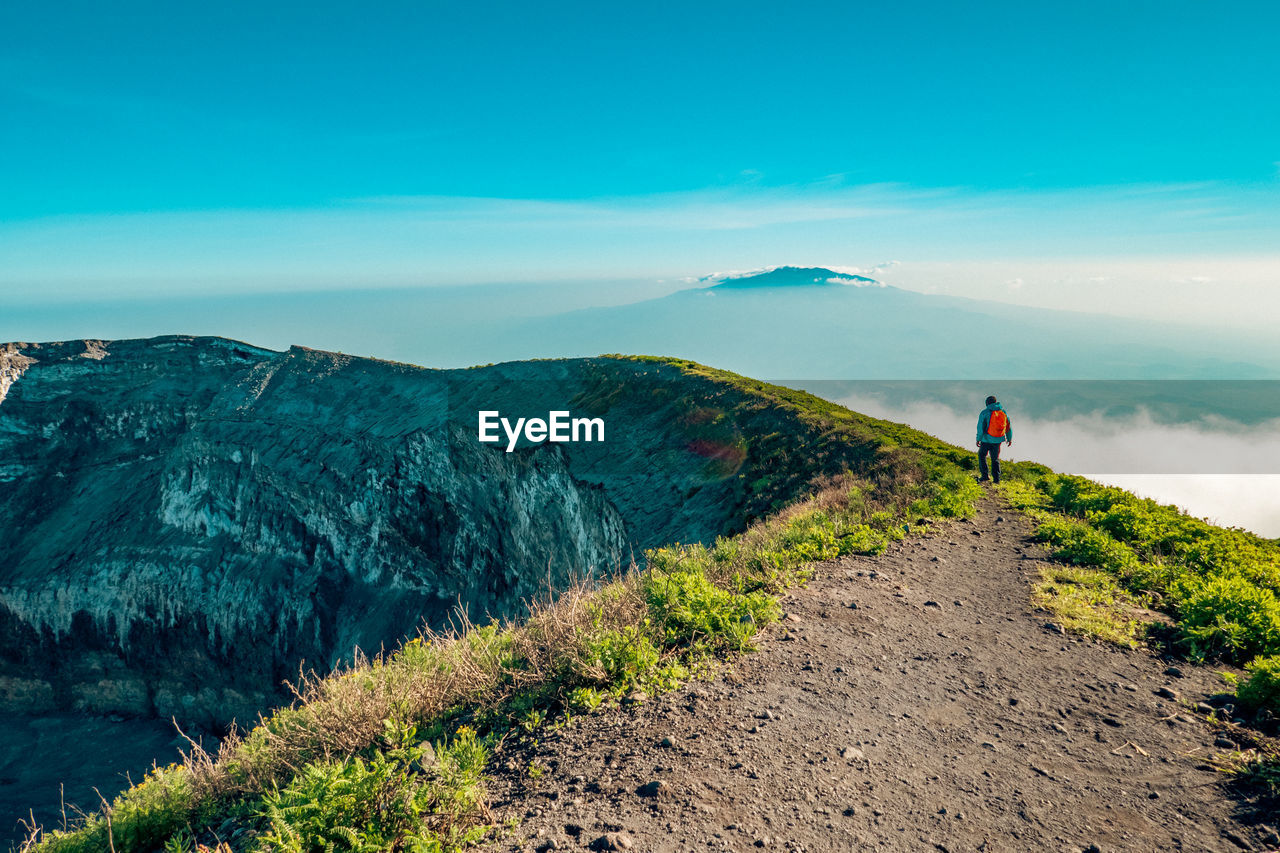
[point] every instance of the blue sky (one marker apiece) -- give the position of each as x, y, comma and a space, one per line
265, 146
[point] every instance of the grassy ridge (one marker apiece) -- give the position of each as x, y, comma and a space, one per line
831, 421
389, 754
1220, 585
773, 440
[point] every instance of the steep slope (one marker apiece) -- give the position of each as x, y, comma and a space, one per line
189, 520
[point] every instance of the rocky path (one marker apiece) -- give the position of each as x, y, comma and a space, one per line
912, 701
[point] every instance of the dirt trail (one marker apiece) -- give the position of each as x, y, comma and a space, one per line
912, 701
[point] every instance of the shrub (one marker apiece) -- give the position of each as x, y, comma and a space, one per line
1226, 616
861, 539
1077, 494
1130, 521
586, 698
140, 818
1261, 688
691, 610
811, 537
948, 493
395, 800
1079, 543
622, 656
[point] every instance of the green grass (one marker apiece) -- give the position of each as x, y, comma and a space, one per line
1260, 688
1219, 584
1090, 602
347, 769
403, 795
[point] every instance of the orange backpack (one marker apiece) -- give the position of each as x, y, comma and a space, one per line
997, 423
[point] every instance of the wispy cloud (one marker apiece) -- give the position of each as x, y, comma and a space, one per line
738, 208
408, 239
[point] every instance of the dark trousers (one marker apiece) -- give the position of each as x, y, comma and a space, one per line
992, 447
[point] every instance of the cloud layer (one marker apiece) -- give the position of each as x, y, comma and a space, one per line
1213, 468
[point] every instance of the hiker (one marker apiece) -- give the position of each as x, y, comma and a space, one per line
993, 428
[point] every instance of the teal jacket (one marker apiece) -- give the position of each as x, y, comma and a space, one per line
982, 425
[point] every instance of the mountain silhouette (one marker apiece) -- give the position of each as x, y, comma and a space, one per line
790, 277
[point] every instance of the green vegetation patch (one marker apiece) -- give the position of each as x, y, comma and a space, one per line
1088, 601
1220, 585
143, 817
404, 795
1260, 688
696, 613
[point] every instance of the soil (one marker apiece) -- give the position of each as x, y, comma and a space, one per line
911, 701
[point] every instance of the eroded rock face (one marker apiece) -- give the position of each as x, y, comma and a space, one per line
186, 521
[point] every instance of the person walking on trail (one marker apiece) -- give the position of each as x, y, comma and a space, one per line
993, 428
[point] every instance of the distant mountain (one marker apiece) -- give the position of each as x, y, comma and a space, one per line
790, 322
790, 277
816, 323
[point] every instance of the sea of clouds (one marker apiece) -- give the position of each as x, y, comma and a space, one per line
1213, 467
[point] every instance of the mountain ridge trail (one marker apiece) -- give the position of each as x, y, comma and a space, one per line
915, 700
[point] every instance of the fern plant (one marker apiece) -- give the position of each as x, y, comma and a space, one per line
392, 801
